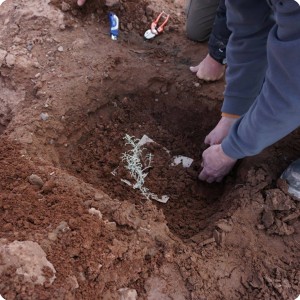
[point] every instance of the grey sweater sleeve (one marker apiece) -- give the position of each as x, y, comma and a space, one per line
250, 23
276, 110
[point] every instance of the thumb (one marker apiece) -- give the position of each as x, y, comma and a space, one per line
207, 140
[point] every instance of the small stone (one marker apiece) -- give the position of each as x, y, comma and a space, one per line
65, 6
63, 227
196, 84
164, 89
98, 196
36, 64
283, 228
207, 242
29, 46
112, 226
292, 216
10, 60
36, 180
44, 116
52, 236
60, 48
217, 236
267, 218
256, 281
37, 75
277, 200
73, 283
129, 26
260, 226
224, 226
48, 186
95, 212
87, 203
111, 2
127, 294
222, 238
17, 40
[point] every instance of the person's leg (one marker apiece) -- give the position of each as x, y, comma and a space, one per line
219, 35
200, 19
213, 66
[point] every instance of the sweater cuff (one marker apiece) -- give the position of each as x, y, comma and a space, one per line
224, 114
236, 105
231, 150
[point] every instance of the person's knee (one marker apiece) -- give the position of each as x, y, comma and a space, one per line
197, 34
200, 18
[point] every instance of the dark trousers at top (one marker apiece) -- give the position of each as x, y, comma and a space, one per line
207, 19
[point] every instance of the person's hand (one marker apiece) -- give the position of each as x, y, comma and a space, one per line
110, 3
107, 2
217, 135
209, 69
216, 164
80, 2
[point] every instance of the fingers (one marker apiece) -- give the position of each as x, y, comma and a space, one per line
211, 140
204, 176
80, 2
207, 140
194, 69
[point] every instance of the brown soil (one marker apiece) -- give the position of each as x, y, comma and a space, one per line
63, 119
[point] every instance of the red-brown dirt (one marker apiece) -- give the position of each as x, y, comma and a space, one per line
70, 228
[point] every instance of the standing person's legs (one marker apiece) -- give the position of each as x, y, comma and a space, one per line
219, 35
212, 67
200, 18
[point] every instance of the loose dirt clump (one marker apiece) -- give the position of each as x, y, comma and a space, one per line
69, 96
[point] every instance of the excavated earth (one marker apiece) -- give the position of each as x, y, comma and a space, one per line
71, 228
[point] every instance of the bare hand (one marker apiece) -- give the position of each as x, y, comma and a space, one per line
209, 69
216, 164
80, 2
217, 135
107, 2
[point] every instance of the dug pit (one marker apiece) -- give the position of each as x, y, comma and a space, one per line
95, 144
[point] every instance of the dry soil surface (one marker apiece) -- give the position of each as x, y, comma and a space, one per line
70, 227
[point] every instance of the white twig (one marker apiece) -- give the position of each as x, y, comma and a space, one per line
133, 163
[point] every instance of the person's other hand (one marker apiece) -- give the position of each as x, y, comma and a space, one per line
216, 164
209, 69
80, 2
217, 135
111, 2
107, 2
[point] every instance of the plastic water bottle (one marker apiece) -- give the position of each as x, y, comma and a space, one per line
114, 25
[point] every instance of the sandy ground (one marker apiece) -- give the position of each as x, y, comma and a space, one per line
70, 227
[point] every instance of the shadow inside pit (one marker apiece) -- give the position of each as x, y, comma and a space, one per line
96, 144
